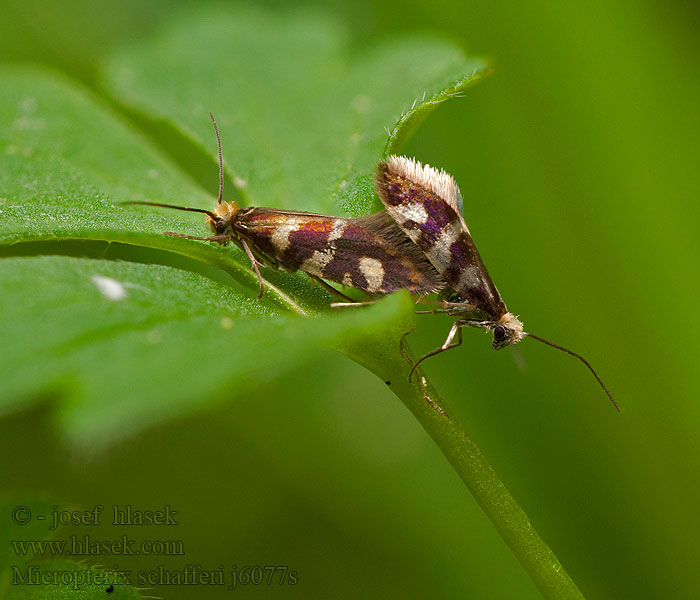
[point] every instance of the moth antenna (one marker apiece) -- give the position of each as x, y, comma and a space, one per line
185, 208
221, 158
583, 360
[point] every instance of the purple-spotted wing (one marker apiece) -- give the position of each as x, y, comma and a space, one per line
370, 253
425, 203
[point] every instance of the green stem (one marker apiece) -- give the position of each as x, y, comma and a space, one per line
392, 364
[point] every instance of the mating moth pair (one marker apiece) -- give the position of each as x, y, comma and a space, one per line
419, 243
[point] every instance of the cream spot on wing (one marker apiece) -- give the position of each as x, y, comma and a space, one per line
347, 279
373, 270
399, 215
318, 261
280, 236
469, 278
415, 212
337, 231
110, 288
440, 254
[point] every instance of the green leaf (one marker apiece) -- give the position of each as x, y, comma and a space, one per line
301, 111
126, 345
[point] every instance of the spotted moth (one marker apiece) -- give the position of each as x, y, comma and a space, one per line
420, 243
371, 253
427, 205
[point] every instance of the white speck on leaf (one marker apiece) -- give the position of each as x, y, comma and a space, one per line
110, 288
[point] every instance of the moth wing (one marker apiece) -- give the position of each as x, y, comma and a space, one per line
414, 265
361, 253
425, 203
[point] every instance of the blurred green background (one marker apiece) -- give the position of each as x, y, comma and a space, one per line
578, 160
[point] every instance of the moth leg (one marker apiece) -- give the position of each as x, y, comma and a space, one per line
352, 303
254, 266
418, 298
330, 289
459, 309
434, 311
449, 344
227, 238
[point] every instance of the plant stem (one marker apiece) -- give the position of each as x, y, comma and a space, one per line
390, 363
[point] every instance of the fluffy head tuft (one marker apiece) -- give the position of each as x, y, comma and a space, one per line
513, 331
225, 212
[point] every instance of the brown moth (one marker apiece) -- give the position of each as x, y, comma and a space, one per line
427, 205
371, 253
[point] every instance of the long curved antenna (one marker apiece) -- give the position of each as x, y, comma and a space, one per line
221, 159
199, 210
583, 360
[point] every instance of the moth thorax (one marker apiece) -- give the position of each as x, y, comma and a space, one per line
507, 331
224, 216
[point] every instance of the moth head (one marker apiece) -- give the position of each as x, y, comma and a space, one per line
220, 221
507, 331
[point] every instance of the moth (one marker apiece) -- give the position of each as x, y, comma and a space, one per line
426, 204
419, 243
371, 253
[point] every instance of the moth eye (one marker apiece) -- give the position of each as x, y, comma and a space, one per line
499, 332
